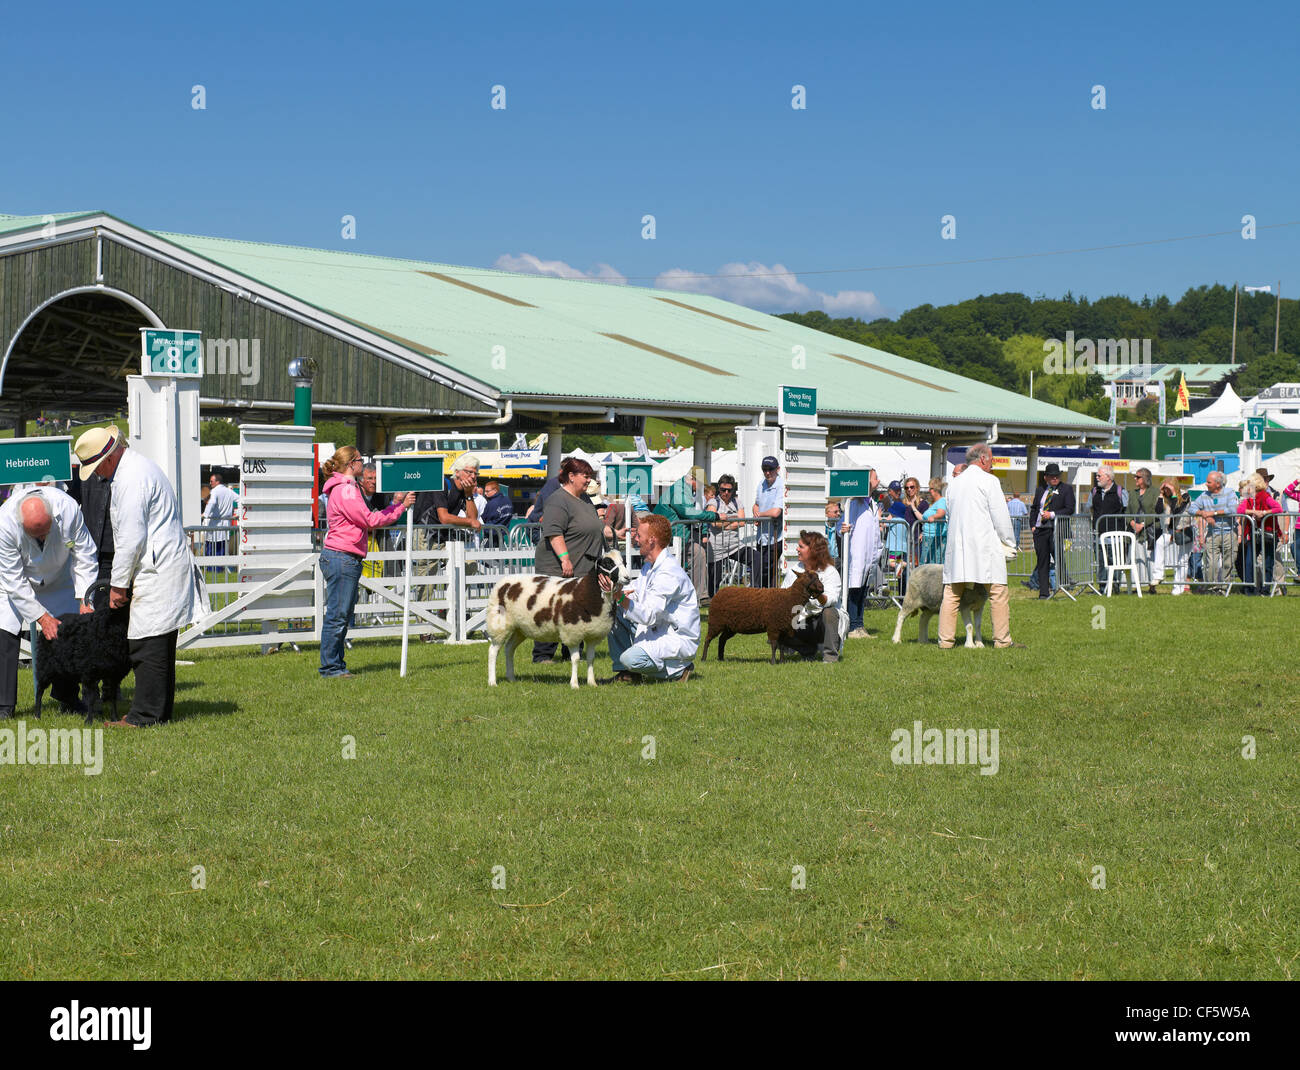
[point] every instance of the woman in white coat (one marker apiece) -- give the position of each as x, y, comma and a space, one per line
48, 562
152, 567
862, 549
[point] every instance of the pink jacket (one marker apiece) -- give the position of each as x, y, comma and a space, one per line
1293, 492
348, 518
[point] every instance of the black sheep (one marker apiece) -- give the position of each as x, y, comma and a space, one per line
90, 648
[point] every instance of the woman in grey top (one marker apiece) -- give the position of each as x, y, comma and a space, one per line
724, 536
573, 535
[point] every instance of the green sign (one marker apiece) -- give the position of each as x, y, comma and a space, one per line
848, 483
34, 460
799, 401
178, 353
628, 477
1254, 429
403, 472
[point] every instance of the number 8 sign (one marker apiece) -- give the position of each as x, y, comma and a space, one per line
177, 353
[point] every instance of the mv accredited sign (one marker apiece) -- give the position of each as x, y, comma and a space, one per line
34, 460
398, 473
178, 353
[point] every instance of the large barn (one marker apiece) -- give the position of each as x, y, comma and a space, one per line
404, 344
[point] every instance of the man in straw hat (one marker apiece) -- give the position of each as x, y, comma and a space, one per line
152, 567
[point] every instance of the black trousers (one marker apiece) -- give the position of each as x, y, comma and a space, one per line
1044, 539
64, 689
154, 662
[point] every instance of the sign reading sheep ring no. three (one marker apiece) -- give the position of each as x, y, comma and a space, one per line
34, 460
396, 474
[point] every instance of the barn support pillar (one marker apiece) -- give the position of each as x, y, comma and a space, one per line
938, 459
703, 447
367, 439
1031, 467
554, 447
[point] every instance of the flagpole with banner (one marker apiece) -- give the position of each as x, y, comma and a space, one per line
1183, 404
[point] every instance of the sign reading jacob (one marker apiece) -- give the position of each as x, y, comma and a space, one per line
178, 353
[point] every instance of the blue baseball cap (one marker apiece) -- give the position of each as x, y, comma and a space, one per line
769, 463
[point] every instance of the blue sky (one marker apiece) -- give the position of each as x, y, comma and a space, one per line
382, 112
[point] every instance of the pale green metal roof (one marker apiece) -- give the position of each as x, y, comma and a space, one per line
532, 335
10, 223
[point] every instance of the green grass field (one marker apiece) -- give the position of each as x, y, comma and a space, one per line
1119, 747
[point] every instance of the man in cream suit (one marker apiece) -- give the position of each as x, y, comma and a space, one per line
980, 537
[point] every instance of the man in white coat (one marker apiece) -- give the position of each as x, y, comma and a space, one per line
979, 532
152, 568
657, 617
862, 549
48, 562
217, 514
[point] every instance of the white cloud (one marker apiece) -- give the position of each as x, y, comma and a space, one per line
772, 289
758, 286
533, 265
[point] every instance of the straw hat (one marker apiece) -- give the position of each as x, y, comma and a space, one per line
94, 445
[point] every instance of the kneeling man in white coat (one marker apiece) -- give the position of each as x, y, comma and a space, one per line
979, 532
657, 617
47, 563
152, 567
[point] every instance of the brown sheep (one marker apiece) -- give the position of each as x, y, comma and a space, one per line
749, 610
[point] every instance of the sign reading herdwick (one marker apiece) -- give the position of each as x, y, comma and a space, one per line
34, 460
797, 406
848, 483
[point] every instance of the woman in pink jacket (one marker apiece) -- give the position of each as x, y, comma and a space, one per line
345, 549
1258, 532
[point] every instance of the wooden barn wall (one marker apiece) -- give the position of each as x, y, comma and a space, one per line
346, 375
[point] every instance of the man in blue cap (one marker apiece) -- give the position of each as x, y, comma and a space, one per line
769, 501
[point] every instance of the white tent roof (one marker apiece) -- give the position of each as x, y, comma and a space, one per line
1225, 411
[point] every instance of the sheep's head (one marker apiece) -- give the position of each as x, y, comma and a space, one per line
611, 565
813, 589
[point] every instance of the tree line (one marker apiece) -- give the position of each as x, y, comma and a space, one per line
999, 338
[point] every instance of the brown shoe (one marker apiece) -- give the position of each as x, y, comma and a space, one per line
123, 723
1152, 589
625, 677
683, 677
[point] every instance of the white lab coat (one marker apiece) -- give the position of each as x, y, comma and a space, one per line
220, 507
978, 525
151, 554
38, 579
863, 549
664, 614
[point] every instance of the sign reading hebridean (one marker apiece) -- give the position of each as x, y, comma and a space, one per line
398, 473
178, 353
1255, 428
34, 460
848, 483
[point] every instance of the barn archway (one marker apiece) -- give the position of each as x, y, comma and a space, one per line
71, 357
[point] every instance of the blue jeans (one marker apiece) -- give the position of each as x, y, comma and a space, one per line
856, 602
342, 574
627, 656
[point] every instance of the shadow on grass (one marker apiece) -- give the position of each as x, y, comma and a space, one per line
183, 711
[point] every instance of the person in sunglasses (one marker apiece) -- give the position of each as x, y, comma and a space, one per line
724, 536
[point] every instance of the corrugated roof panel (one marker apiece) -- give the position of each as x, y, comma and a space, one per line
572, 337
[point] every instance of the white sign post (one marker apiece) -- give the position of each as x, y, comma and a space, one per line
624, 478
803, 465
847, 484
397, 474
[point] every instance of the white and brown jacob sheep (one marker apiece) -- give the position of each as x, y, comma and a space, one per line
572, 612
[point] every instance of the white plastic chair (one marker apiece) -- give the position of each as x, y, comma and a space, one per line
1119, 552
